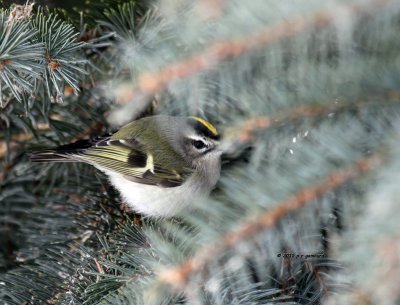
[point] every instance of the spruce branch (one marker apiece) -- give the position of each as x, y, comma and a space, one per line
63, 63
18, 140
150, 83
179, 277
20, 12
371, 248
123, 20
247, 131
5, 147
38, 51
21, 139
19, 56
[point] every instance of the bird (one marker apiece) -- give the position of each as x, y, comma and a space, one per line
159, 164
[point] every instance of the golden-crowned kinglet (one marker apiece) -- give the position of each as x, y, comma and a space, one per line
159, 164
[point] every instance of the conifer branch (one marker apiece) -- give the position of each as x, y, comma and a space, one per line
24, 137
19, 54
151, 83
20, 13
19, 138
179, 277
246, 132
63, 66
387, 250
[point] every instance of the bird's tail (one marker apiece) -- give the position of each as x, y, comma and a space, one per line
49, 155
64, 153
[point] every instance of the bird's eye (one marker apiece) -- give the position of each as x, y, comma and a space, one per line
199, 144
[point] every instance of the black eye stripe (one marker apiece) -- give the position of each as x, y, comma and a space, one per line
199, 144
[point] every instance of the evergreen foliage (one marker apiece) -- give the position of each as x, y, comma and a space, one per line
307, 96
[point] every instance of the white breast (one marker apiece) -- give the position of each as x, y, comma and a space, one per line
167, 202
158, 201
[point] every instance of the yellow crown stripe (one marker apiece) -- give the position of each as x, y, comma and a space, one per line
209, 126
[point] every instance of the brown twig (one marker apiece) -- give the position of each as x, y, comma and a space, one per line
95, 128
98, 266
385, 280
151, 83
4, 63
24, 137
247, 131
19, 13
179, 277
19, 138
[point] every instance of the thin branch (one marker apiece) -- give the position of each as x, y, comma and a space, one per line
385, 275
95, 128
151, 83
246, 133
15, 142
179, 277
19, 13
22, 138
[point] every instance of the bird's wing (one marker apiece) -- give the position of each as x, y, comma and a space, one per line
122, 156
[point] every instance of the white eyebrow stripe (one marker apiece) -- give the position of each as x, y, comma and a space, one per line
197, 138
